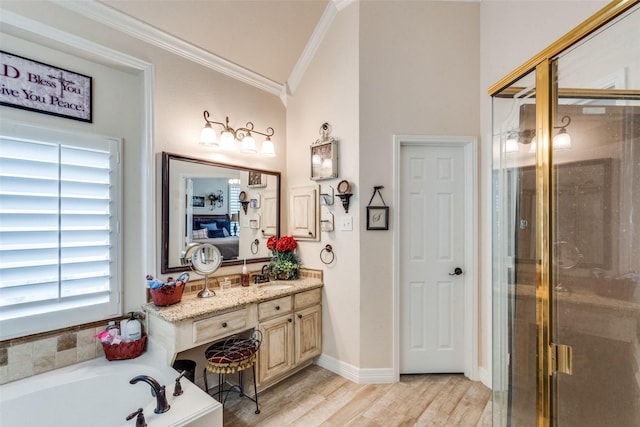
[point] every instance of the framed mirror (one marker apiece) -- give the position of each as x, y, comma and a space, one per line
202, 203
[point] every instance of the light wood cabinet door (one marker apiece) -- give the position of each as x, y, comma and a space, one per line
270, 213
308, 333
303, 212
276, 351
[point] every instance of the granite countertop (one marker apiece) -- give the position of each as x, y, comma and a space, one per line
191, 306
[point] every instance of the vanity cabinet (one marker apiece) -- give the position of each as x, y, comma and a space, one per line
190, 333
276, 350
291, 334
290, 322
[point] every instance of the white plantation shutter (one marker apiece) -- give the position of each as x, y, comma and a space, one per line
234, 198
59, 237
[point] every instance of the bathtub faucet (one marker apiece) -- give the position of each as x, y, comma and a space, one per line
156, 390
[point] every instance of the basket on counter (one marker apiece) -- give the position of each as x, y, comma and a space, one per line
167, 295
125, 350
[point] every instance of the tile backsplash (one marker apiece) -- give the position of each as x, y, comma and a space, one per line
27, 356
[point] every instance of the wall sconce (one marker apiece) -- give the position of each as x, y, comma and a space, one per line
229, 136
561, 141
344, 193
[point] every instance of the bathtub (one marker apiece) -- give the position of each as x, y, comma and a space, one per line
97, 393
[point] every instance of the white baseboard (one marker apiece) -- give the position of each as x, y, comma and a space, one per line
355, 374
485, 376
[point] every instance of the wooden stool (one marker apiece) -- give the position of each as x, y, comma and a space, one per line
230, 356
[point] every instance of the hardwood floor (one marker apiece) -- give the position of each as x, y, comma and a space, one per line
318, 397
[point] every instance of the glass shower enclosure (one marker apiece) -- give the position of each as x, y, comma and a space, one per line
566, 236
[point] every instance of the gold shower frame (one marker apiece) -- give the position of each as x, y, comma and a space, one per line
551, 356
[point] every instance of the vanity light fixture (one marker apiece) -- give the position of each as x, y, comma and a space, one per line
561, 141
230, 136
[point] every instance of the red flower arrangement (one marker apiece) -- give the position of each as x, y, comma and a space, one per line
284, 263
286, 244
271, 243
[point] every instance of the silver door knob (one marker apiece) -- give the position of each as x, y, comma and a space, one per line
456, 272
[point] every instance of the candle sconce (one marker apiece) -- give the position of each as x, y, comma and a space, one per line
343, 192
242, 198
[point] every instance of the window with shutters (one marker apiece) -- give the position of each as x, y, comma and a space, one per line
59, 229
234, 202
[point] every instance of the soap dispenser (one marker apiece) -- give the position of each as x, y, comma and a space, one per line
133, 330
244, 277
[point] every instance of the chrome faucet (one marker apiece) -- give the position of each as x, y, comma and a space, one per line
156, 390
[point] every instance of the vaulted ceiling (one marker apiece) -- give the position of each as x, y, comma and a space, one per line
264, 36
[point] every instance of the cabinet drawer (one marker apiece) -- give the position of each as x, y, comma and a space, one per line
307, 298
219, 326
276, 307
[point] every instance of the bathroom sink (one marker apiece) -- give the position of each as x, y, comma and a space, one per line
275, 286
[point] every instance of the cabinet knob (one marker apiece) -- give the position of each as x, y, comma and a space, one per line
290, 320
299, 316
224, 325
277, 307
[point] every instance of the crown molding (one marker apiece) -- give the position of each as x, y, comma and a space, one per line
117, 20
330, 12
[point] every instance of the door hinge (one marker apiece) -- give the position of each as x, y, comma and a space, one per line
561, 358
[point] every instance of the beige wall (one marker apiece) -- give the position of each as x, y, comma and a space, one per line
419, 66
329, 93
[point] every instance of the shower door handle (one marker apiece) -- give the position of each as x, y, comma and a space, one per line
456, 272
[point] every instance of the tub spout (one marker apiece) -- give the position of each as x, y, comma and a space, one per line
157, 390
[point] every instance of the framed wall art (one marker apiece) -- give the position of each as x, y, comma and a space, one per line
197, 201
377, 217
32, 85
256, 180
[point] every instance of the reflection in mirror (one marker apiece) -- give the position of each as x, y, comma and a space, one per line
202, 202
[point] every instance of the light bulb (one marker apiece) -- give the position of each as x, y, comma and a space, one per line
511, 144
227, 141
208, 135
562, 141
267, 148
248, 144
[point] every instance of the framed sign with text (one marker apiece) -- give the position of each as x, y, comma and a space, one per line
35, 86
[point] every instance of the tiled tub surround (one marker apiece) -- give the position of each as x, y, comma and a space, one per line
27, 356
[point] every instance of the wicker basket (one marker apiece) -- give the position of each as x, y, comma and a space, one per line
124, 350
167, 295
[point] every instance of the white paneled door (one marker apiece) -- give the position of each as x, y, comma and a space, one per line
432, 254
